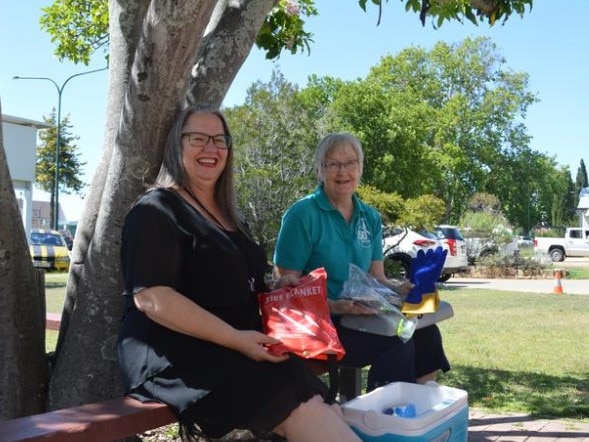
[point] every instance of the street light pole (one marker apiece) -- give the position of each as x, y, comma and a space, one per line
58, 140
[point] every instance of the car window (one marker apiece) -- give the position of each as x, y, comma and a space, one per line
449, 233
46, 239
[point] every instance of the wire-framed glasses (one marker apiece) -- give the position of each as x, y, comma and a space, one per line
336, 166
198, 139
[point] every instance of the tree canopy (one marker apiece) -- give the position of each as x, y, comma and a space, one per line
81, 27
161, 55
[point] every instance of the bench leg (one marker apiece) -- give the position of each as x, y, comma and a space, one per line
350, 383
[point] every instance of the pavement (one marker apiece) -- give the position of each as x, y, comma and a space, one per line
514, 427
569, 286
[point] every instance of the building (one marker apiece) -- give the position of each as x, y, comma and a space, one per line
20, 145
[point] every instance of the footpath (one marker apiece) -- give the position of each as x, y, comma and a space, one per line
515, 427
569, 286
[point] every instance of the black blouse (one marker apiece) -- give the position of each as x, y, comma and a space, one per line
167, 242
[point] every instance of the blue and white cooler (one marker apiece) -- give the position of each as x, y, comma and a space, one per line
403, 412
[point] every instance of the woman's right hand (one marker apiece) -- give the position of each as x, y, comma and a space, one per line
348, 307
253, 344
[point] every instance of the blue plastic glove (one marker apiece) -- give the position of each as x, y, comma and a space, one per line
426, 269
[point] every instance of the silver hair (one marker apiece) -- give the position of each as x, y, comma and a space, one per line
332, 141
173, 173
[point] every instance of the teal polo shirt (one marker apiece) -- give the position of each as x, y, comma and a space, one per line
314, 234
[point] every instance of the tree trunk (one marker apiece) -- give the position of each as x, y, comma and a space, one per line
125, 28
163, 57
153, 67
23, 363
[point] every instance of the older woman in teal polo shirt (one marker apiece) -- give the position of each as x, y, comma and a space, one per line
332, 228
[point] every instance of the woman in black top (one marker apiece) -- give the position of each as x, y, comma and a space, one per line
191, 335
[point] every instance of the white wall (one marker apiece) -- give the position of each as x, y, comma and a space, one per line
20, 145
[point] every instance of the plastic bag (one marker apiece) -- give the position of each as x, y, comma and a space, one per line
388, 319
363, 288
299, 317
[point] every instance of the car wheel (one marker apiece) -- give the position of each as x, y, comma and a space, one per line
556, 255
445, 277
397, 266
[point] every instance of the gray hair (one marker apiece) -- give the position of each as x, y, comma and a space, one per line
173, 173
332, 141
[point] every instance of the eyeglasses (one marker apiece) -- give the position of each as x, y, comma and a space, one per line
198, 139
335, 166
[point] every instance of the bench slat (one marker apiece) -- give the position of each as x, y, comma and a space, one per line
52, 321
97, 422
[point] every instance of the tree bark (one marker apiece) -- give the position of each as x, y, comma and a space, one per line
153, 66
23, 363
162, 59
229, 40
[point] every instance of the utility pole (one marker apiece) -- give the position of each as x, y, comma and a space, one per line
58, 141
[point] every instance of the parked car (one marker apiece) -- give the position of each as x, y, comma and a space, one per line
574, 243
525, 242
400, 245
456, 259
68, 238
49, 250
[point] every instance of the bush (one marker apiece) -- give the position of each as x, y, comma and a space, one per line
504, 265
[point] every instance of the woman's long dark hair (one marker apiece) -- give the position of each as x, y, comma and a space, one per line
173, 173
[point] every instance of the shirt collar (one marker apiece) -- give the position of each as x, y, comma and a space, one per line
324, 204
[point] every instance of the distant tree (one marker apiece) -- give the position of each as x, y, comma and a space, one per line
483, 202
580, 182
390, 205
484, 217
438, 121
70, 166
275, 137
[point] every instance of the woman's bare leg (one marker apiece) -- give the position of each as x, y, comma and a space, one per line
315, 421
427, 377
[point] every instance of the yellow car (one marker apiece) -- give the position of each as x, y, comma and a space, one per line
49, 250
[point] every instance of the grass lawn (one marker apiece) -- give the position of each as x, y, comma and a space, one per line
511, 351
54, 296
519, 351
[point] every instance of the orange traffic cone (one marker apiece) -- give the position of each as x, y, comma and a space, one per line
557, 285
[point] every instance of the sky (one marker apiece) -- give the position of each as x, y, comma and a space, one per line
550, 43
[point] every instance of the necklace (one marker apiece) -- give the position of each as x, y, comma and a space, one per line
202, 206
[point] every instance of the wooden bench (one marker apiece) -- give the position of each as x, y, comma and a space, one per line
106, 421
52, 321
124, 417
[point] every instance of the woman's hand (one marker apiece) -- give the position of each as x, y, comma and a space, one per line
348, 307
290, 279
252, 344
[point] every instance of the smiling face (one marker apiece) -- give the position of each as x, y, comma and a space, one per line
203, 165
341, 171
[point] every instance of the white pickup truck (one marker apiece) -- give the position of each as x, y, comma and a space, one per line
575, 243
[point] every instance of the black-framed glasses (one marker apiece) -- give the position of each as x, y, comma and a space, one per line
198, 139
335, 166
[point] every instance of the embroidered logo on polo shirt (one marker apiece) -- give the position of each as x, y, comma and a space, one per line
363, 234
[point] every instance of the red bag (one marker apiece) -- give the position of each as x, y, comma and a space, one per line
299, 317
